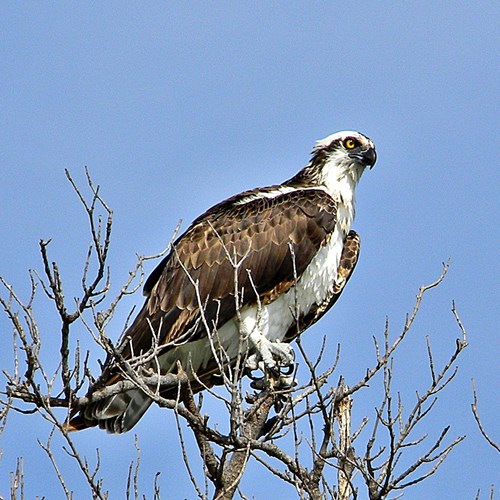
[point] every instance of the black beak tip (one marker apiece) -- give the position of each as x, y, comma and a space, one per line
368, 157
371, 157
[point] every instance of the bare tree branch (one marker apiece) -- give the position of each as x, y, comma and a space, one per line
477, 418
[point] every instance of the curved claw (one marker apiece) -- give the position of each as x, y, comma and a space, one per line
248, 372
275, 359
287, 370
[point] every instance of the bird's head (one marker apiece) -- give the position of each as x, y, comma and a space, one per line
341, 158
338, 162
349, 147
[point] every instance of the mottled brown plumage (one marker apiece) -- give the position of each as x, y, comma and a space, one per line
206, 252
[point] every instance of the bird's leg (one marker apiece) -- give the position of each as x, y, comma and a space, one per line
268, 355
274, 359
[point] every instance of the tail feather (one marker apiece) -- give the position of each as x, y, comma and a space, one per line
116, 415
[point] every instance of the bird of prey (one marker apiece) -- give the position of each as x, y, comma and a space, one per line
252, 272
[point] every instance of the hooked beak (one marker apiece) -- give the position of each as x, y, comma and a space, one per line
367, 157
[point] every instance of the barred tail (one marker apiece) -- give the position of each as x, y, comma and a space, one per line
117, 414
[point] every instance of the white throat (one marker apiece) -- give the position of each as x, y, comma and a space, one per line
340, 180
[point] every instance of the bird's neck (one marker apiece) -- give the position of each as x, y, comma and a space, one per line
342, 190
340, 183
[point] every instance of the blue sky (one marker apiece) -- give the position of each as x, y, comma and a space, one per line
174, 106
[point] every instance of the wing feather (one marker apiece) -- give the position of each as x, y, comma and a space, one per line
257, 233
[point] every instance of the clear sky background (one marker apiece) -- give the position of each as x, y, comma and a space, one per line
174, 106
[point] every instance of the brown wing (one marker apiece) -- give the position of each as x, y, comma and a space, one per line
256, 236
347, 264
348, 261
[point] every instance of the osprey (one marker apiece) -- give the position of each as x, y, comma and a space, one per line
254, 270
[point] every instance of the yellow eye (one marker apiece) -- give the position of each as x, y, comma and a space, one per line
350, 143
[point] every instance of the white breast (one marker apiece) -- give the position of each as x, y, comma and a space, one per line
312, 288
